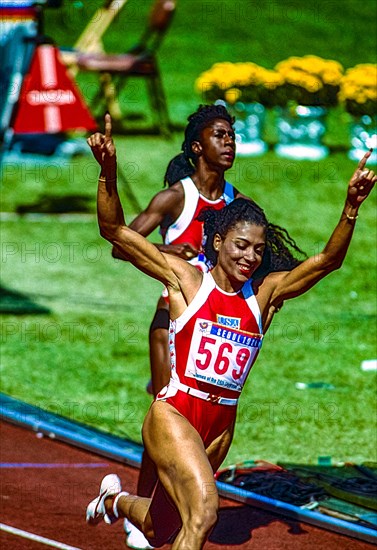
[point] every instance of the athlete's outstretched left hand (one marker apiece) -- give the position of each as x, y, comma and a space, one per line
361, 183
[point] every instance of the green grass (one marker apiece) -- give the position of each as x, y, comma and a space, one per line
87, 357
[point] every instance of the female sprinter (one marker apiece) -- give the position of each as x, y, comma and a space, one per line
217, 323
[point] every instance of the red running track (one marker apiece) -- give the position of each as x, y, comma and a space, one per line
46, 485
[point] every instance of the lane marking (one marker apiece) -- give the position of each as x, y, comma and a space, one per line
37, 538
52, 465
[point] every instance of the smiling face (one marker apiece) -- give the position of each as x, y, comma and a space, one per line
216, 145
240, 254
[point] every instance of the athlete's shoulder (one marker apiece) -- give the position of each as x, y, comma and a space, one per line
190, 278
264, 289
269, 280
171, 194
175, 190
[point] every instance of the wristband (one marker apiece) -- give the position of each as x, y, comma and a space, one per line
104, 180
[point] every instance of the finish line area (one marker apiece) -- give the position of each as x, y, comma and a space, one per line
44, 428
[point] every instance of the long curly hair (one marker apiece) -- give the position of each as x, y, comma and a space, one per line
183, 165
281, 252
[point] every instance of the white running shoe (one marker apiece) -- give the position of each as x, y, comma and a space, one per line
135, 538
95, 511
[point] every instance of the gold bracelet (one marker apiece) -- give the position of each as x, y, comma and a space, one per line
351, 217
108, 180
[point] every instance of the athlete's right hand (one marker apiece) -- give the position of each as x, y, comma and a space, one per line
102, 145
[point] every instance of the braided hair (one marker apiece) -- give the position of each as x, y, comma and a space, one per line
281, 250
183, 165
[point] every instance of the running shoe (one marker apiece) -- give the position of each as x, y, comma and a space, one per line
135, 538
95, 511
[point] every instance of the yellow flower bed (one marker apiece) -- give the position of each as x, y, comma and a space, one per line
358, 90
234, 82
311, 80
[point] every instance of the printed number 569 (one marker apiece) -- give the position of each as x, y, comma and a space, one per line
225, 356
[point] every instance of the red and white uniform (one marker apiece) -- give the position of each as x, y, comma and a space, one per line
186, 228
218, 338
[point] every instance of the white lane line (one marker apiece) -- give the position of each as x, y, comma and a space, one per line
37, 538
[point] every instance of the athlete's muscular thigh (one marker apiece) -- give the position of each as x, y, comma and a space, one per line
167, 433
178, 452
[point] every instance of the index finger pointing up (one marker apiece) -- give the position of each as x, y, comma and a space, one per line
364, 160
108, 126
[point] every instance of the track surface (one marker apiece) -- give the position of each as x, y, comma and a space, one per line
46, 485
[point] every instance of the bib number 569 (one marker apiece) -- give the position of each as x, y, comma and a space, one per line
221, 357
